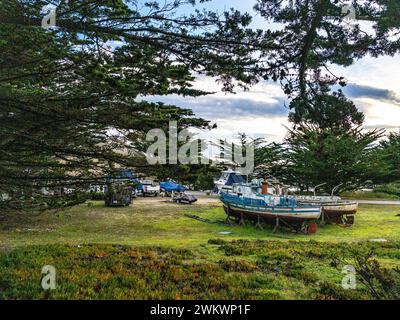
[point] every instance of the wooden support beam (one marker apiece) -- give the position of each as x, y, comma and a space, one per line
276, 225
242, 223
259, 222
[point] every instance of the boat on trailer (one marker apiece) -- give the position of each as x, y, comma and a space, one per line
245, 202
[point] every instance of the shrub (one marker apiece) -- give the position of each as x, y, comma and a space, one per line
96, 196
330, 291
238, 265
391, 188
216, 241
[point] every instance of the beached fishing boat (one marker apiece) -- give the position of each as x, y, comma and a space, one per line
334, 209
245, 202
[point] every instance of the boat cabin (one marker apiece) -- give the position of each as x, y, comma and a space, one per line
227, 179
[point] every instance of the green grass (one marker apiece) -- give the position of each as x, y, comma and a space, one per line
157, 241
379, 196
154, 222
244, 270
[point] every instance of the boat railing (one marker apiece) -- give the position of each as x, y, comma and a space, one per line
317, 186
336, 189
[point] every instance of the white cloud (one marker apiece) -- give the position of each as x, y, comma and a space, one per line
382, 72
380, 114
269, 127
260, 112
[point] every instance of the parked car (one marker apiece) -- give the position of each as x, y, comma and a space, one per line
184, 198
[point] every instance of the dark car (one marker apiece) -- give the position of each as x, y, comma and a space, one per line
184, 198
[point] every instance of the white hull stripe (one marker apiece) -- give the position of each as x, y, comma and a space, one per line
304, 213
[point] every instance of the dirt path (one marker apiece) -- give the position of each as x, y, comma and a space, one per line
161, 202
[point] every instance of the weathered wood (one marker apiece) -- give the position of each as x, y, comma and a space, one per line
276, 225
259, 225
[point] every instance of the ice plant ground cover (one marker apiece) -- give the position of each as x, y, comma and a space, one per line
156, 252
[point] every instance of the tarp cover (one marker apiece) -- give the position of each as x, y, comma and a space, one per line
124, 174
171, 186
120, 175
189, 198
234, 178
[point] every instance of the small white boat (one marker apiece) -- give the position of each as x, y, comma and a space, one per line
334, 209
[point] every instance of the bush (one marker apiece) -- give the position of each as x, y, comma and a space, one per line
382, 283
391, 188
369, 195
330, 291
96, 196
205, 181
238, 266
216, 241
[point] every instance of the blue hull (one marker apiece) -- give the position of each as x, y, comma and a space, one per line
259, 208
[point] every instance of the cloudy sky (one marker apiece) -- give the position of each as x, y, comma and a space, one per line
373, 85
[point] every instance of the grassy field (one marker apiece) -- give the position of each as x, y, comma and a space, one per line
369, 196
152, 250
